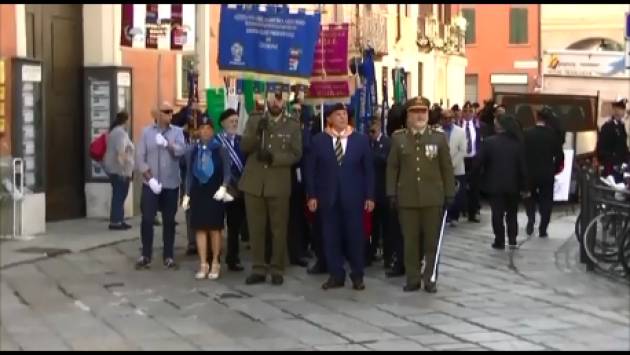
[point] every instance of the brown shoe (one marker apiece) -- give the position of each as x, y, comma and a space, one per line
333, 283
357, 284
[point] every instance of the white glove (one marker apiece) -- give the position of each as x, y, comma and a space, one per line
228, 197
160, 140
186, 202
155, 186
220, 194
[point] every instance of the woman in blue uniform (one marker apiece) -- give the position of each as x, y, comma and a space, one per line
207, 177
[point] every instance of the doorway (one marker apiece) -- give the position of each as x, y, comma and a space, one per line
54, 35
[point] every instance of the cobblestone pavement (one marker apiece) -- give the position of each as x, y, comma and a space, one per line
535, 298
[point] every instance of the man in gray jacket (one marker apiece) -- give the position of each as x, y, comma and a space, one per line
158, 154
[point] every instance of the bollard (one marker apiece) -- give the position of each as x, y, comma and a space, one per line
16, 194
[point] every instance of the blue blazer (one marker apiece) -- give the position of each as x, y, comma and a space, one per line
354, 179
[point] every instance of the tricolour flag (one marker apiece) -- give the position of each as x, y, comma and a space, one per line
158, 26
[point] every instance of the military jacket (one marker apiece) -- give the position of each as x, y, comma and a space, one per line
284, 140
419, 169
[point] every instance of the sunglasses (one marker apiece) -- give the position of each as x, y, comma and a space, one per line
167, 112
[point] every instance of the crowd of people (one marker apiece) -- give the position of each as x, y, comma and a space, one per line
293, 189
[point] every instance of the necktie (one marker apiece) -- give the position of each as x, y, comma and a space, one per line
468, 138
339, 151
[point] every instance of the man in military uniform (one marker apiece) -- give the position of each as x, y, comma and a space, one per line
273, 142
612, 148
420, 183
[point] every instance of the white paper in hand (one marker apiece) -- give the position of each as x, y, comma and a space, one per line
220, 194
160, 140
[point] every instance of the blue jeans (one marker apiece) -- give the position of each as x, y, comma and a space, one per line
166, 202
120, 189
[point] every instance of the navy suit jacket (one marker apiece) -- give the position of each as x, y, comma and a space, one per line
354, 179
380, 151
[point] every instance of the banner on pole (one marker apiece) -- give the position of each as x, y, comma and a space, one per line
330, 81
267, 42
158, 26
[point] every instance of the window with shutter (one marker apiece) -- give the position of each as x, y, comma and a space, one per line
469, 15
518, 26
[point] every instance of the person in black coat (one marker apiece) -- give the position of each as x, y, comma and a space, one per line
380, 145
612, 148
502, 164
545, 159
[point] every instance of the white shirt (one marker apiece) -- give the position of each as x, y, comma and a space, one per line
344, 143
470, 126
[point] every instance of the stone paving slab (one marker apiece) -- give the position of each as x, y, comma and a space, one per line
94, 299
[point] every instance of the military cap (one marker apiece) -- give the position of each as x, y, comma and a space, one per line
418, 102
204, 119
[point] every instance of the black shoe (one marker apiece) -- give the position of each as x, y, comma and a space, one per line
498, 246
117, 227
128, 226
235, 267
317, 269
332, 283
357, 284
191, 251
529, 229
255, 279
300, 262
411, 288
396, 271
169, 263
513, 246
474, 220
143, 263
277, 280
543, 235
430, 287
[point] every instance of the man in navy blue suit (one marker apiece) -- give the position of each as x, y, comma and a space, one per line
340, 182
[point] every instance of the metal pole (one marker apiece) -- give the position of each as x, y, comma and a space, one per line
18, 169
159, 79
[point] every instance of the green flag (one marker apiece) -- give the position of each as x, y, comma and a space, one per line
215, 101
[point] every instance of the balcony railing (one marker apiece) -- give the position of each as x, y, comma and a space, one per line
438, 36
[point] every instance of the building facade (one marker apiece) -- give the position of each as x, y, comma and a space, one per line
66, 39
502, 47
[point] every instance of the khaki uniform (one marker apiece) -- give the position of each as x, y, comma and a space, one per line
420, 175
267, 188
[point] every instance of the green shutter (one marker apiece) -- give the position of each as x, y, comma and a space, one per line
518, 26
469, 15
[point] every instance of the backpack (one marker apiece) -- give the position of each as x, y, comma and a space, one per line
98, 147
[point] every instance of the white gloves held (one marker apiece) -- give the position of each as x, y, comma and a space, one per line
223, 195
160, 140
155, 186
186, 202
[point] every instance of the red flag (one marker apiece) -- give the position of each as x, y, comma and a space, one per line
178, 35
127, 25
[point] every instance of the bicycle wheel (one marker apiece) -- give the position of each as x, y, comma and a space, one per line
624, 252
602, 238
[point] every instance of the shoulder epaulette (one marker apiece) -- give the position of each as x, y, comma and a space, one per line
399, 131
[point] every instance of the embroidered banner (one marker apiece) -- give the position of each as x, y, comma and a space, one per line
267, 43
